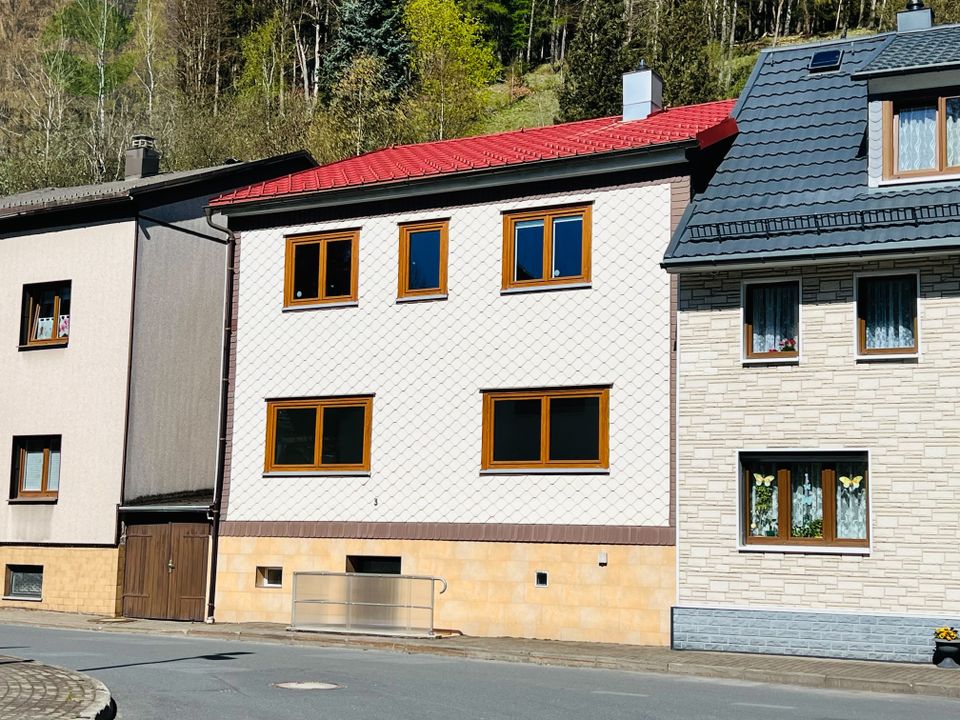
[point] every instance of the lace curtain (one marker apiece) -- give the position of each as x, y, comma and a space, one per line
953, 132
774, 310
889, 309
806, 501
851, 501
917, 138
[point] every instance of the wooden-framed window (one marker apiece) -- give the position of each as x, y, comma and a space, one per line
321, 269
423, 259
546, 429
887, 315
771, 320
547, 247
36, 467
23, 582
921, 136
805, 499
319, 434
45, 317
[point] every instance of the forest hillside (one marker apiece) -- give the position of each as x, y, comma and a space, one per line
213, 79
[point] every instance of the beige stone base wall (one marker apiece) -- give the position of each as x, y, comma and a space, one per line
491, 585
75, 579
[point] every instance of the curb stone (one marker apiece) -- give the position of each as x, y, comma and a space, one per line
102, 706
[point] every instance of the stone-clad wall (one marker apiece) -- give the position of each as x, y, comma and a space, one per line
904, 412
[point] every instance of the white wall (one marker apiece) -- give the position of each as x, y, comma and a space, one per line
78, 391
427, 363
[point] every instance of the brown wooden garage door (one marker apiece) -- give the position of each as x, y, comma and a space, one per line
165, 571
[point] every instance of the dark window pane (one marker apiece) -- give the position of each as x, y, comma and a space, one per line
516, 430
296, 436
339, 268
342, 436
567, 247
306, 271
529, 250
774, 314
423, 269
43, 320
574, 428
888, 306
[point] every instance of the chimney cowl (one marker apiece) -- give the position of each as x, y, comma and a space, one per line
141, 159
914, 17
642, 93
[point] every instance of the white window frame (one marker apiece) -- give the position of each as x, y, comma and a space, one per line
885, 357
744, 358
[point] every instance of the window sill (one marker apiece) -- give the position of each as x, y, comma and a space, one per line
269, 587
803, 549
317, 473
918, 179
421, 298
17, 598
33, 501
910, 357
322, 306
771, 361
546, 288
545, 471
41, 346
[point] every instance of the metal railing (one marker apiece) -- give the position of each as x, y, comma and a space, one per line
364, 603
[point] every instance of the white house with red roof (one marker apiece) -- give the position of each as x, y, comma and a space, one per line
453, 361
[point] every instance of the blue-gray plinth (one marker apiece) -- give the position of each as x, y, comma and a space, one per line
897, 638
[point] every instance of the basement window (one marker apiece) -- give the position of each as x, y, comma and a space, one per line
373, 564
23, 582
269, 577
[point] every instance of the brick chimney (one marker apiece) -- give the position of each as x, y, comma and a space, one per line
642, 93
142, 158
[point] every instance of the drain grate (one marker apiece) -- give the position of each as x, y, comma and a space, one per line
307, 686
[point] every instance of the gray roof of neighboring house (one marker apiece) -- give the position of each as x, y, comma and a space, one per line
794, 182
916, 51
53, 198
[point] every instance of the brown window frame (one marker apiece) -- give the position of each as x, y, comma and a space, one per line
862, 348
891, 109
828, 479
289, 301
748, 351
544, 463
30, 314
19, 467
510, 219
403, 279
365, 401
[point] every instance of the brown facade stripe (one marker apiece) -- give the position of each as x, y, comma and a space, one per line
231, 378
470, 532
679, 199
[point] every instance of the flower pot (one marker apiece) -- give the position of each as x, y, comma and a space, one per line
947, 653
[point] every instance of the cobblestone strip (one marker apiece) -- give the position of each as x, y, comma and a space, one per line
30, 690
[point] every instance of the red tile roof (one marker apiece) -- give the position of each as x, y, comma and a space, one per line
706, 123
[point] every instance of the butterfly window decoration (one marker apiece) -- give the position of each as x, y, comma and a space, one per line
764, 480
851, 482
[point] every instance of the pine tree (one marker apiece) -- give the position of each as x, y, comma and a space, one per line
596, 63
374, 28
688, 75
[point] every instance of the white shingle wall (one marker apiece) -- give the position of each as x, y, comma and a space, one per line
875, 142
427, 363
906, 413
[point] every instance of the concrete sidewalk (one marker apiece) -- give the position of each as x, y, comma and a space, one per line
809, 672
30, 690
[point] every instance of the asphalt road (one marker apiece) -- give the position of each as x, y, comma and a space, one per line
198, 679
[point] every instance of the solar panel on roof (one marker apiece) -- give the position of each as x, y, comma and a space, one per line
824, 60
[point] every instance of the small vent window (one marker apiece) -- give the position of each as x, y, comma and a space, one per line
825, 61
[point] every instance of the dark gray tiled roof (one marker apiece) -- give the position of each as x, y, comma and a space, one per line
918, 50
795, 179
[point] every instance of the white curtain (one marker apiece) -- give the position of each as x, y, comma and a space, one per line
890, 307
774, 310
851, 501
953, 132
806, 501
917, 140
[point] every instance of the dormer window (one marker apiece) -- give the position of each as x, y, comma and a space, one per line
921, 137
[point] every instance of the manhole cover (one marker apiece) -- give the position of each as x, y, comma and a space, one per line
307, 686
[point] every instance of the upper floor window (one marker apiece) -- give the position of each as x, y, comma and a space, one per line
546, 429
805, 499
45, 316
546, 247
36, 467
321, 269
771, 320
423, 259
921, 137
321, 434
887, 315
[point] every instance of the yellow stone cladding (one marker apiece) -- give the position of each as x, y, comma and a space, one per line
491, 585
906, 413
75, 579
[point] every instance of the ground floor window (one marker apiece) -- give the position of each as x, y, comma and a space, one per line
24, 582
320, 434
817, 499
